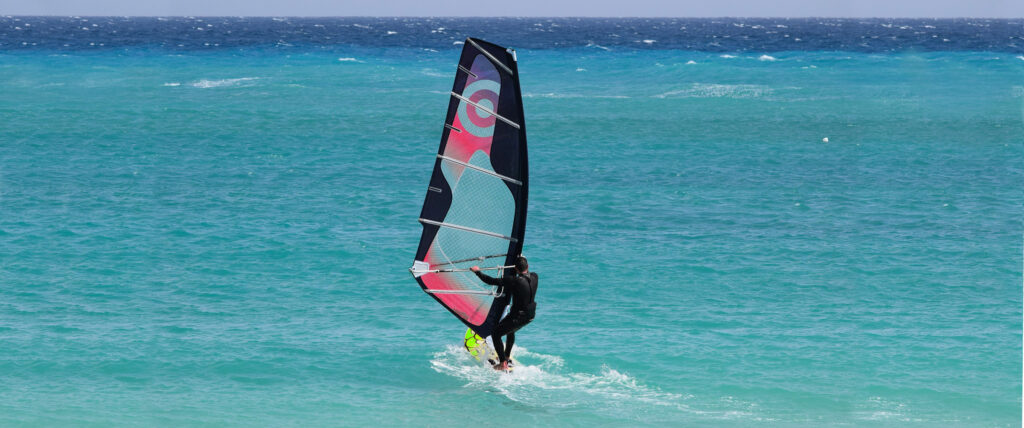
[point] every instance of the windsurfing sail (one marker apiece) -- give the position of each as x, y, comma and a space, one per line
475, 209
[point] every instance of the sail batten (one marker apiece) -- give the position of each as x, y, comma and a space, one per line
486, 110
467, 229
474, 212
491, 57
456, 161
466, 70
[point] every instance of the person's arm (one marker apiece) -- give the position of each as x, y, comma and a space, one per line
485, 278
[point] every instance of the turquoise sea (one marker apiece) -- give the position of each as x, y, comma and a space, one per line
217, 232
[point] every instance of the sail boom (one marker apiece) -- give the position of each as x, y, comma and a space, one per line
477, 292
472, 259
420, 268
468, 270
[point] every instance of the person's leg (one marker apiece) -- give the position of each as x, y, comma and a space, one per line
503, 328
511, 340
498, 348
516, 325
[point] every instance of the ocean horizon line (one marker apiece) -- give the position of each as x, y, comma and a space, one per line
945, 18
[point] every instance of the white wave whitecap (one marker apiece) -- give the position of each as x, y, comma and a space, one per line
559, 95
220, 83
433, 73
715, 90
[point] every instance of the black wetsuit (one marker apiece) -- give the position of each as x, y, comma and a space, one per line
522, 289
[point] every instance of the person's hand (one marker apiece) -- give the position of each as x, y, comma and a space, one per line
475, 268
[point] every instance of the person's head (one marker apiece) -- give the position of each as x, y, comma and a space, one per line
521, 265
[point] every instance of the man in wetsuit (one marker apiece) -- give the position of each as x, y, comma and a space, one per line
522, 286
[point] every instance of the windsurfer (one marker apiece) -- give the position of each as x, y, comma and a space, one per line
522, 287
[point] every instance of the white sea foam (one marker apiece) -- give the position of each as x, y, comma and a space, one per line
649, 41
691, 62
880, 409
348, 59
543, 380
716, 90
1020, 57
766, 58
433, 73
172, 84
727, 56
220, 83
558, 95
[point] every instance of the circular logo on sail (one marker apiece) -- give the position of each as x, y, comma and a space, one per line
478, 121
